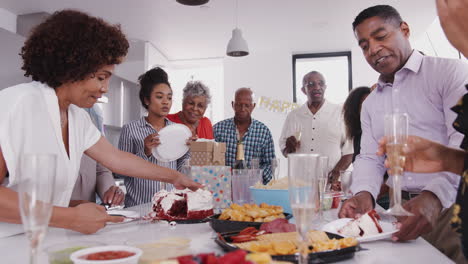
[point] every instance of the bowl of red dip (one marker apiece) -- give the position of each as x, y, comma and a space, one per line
107, 255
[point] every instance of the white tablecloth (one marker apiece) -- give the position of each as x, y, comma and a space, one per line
15, 249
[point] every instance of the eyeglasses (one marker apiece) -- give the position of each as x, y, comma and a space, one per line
314, 84
239, 106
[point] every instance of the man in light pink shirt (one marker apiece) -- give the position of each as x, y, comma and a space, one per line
429, 87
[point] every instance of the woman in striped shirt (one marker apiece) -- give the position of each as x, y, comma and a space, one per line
141, 136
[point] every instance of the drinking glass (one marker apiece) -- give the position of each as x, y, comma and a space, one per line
241, 181
36, 174
255, 163
396, 133
303, 173
275, 168
346, 180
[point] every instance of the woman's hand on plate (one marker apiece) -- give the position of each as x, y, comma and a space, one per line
114, 196
88, 218
150, 142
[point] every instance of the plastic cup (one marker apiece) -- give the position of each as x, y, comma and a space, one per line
241, 181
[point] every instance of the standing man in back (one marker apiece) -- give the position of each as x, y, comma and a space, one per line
318, 127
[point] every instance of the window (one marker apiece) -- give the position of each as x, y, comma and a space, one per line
335, 68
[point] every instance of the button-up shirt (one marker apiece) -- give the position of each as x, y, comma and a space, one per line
429, 87
132, 140
321, 133
258, 143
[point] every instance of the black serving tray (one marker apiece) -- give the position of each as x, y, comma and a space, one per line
223, 226
224, 241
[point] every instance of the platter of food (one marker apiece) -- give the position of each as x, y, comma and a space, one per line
238, 217
236, 256
283, 246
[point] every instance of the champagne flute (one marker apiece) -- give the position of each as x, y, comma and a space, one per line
36, 174
396, 133
323, 177
255, 163
304, 196
275, 168
297, 131
346, 180
322, 181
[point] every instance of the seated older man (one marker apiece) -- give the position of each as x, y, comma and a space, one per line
253, 134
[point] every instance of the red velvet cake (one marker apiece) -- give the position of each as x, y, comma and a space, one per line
183, 204
366, 225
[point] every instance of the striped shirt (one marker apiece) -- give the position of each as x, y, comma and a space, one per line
258, 143
132, 140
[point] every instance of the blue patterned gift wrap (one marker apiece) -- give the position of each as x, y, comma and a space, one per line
217, 179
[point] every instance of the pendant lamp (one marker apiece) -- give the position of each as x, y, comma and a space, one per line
192, 2
237, 46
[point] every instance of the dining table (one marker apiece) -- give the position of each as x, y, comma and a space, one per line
15, 249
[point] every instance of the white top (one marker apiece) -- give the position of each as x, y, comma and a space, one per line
322, 133
30, 123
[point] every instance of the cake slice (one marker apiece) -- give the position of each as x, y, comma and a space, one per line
366, 225
183, 204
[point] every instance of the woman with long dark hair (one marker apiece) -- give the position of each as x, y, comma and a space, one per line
352, 116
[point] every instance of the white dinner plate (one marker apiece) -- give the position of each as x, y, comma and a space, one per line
388, 229
173, 142
129, 216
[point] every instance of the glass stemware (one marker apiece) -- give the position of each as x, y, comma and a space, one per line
297, 130
322, 181
275, 168
36, 174
346, 180
396, 133
323, 177
255, 163
304, 196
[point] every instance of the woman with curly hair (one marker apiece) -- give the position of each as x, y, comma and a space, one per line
70, 57
194, 103
352, 116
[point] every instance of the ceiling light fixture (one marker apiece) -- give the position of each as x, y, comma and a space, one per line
192, 2
237, 46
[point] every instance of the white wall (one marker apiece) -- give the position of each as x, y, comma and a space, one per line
434, 42
10, 62
270, 74
7, 20
212, 76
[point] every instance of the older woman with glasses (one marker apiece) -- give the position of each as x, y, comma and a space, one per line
195, 101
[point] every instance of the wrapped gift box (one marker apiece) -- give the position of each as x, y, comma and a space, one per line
207, 153
217, 179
